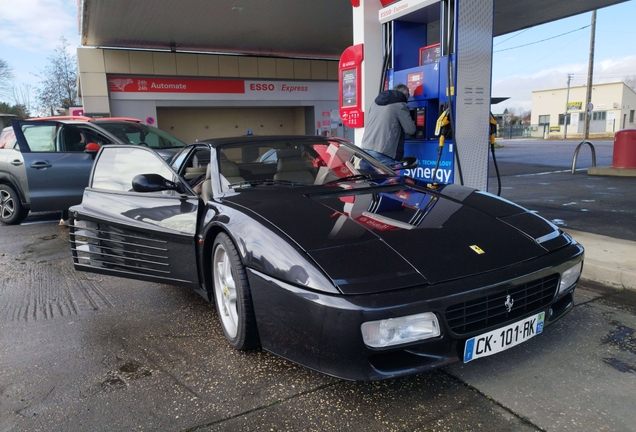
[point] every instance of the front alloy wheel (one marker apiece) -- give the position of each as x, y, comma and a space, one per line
232, 296
11, 210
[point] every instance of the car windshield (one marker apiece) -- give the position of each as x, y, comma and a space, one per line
296, 161
141, 134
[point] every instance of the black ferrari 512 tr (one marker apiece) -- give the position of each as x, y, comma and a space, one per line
318, 253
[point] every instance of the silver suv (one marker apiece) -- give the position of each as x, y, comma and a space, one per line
45, 163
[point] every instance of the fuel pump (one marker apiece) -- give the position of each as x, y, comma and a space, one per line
442, 51
420, 59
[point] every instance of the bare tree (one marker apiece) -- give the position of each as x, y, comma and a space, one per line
6, 75
514, 115
59, 80
630, 81
22, 96
525, 117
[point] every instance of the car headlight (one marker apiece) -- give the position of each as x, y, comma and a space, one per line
570, 276
395, 331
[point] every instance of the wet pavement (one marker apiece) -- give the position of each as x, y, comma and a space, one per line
599, 211
85, 352
80, 351
538, 175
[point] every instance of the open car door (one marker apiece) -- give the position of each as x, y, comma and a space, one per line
138, 219
54, 161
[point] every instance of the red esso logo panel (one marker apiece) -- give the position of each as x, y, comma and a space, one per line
262, 87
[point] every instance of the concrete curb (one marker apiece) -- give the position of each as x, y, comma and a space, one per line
608, 261
611, 171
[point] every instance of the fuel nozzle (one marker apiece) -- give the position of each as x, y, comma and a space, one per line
493, 133
442, 129
443, 123
493, 129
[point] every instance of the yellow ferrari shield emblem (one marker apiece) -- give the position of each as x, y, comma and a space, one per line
477, 249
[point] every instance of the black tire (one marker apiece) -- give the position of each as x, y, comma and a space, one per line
12, 211
232, 296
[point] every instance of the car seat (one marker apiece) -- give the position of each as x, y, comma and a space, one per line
206, 187
293, 167
198, 166
230, 171
192, 173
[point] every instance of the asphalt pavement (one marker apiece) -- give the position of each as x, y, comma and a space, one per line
596, 205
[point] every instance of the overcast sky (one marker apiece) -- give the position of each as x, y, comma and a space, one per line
534, 59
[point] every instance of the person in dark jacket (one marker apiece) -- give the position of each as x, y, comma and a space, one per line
388, 120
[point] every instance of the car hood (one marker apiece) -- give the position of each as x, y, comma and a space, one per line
372, 238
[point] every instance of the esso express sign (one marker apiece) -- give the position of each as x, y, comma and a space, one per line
262, 87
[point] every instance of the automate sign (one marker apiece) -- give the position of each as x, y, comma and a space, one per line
139, 87
173, 85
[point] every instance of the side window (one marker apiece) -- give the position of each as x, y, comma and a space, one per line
115, 168
71, 139
91, 135
40, 138
177, 160
197, 165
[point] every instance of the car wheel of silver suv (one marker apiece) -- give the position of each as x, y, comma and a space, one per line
11, 210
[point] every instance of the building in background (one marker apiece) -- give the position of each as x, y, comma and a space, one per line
613, 107
200, 96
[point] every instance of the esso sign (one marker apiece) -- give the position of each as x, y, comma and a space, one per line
262, 87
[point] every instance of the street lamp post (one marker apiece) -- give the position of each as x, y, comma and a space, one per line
567, 101
590, 71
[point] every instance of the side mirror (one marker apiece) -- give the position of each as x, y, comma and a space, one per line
408, 162
92, 147
154, 183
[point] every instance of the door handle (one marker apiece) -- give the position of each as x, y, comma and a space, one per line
16, 162
40, 164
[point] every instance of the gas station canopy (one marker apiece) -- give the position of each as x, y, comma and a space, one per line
286, 28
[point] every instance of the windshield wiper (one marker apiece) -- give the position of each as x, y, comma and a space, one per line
249, 183
350, 177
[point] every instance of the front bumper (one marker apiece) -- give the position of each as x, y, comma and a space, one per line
322, 331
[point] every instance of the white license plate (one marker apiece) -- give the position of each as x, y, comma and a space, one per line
501, 339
